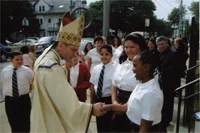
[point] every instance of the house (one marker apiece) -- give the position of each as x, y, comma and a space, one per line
50, 12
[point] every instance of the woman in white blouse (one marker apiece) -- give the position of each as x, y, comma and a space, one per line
124, 80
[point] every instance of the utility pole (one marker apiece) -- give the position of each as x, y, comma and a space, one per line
180, 27
106, 14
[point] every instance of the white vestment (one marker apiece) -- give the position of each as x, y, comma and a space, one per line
55, 106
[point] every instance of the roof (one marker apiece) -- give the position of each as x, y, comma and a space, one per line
58, 6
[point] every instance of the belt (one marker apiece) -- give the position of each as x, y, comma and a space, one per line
14, 98
124, 94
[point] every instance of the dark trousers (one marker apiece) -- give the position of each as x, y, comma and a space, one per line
104, 122
18, 113
136, 128
120, 122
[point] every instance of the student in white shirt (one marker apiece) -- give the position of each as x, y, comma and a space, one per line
124, 80
145, 103
107, 69
16, 91
93, 54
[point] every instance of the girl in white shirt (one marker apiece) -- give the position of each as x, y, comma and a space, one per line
102, 86
124, 80
145, 103
93, 54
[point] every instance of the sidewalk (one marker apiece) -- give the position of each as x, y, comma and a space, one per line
5, 127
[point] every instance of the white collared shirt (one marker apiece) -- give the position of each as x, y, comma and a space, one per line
116, 55
107, 79
94, 55
146, 103
74, 71
24, 80
26, 60
124, 78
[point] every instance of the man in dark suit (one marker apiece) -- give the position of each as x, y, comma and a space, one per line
170, 78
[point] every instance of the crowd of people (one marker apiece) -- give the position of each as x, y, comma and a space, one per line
131, 83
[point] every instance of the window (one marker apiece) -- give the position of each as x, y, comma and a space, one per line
43, 8
49, 20
59, 21
40, 8
41, 21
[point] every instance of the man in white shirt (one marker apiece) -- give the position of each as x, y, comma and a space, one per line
16, 80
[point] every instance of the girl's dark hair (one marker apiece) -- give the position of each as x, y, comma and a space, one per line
149, 57
109, 39
24, 49
13, 54
85, 49
119, 41
123, 57
98, 38
107, 47
153, 41
136, 38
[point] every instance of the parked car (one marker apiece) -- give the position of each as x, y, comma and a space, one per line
17, 46
43, 43
4, 51
25, 42
34, 38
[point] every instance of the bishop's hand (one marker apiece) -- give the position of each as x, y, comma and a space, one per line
98, 109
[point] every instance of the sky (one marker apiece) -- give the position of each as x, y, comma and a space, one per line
164, 7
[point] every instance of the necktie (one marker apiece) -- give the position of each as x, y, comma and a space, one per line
100, 83
15, 91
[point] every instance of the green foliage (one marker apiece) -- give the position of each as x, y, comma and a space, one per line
163, 28
12, 14
97, 10
173, 17
128, 16
194, 8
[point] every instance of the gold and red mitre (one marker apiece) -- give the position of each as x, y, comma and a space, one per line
71, 31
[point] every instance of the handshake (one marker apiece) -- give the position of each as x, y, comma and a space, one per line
99, 109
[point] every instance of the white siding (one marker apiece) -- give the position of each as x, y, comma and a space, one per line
47, 28
41, 4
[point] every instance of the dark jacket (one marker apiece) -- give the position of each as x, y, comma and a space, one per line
171, 69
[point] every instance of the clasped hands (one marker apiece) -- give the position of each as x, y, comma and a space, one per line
99, 109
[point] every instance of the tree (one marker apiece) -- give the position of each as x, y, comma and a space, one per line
96, 9
12, 14
130, 15
194, 8
163, 28
173, 17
